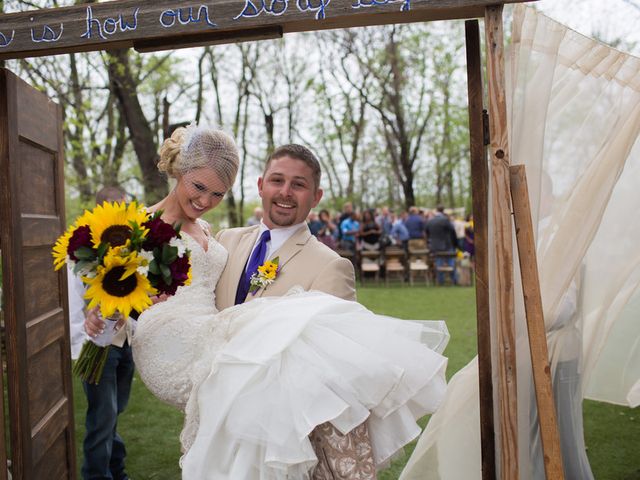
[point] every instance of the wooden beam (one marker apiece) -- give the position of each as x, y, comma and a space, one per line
535, 324
502, 246
164, 23
479, 184
3, 424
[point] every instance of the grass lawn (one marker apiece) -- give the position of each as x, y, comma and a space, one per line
151, 429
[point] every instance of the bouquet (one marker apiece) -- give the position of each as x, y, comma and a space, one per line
124, 255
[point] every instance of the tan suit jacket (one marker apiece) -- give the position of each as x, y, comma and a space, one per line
302, 259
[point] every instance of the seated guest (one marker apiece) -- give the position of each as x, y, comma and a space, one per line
369, 232
415, 224
314, 224
256, 218
399, 232
442, 239
468, 245
327, 231
349, 228
385, 221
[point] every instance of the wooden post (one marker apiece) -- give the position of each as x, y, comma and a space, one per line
535, 324
3, 423
479, 184
502, 246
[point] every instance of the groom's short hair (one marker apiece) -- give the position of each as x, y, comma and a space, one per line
298, 152
111, 193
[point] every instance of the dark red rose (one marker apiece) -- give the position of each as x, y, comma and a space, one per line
81, 237
179, 272
160, 232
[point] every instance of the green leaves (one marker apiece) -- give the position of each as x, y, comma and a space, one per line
85, 253
159, 266
153, 267
137, 237
82, 265
169, 254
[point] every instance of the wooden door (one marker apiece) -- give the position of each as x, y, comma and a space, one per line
35, 297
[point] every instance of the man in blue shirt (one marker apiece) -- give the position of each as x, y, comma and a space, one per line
415, 224
349, 228
399, 231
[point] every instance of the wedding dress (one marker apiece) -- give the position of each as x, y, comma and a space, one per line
256, 379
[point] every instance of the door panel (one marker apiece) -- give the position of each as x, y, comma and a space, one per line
35, 297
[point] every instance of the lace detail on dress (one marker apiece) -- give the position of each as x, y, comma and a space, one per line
171, 335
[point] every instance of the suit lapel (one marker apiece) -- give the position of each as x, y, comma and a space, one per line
239, 261
288, 250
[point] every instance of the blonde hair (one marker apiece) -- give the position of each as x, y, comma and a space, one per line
196, 147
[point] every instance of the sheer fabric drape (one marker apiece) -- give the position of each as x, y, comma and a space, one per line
574, 113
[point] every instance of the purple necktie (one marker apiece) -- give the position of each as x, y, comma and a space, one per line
256, 259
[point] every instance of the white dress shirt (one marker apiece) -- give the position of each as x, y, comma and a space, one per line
278, 238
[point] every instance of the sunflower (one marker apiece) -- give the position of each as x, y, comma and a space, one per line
60, 248
268, 270
117, 285
111, 222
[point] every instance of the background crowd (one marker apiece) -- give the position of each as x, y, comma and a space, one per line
442, 236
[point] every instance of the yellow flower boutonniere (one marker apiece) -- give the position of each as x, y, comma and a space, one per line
266, 275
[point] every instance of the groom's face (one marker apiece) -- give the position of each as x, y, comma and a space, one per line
288, 192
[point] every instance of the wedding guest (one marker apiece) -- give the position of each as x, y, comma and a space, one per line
415, 224
255, 219
326, 233
384, 220
103, 448
459, 226
369, 232
399, 231
468, 243
349, 228
442, 240
314, 223
347, 210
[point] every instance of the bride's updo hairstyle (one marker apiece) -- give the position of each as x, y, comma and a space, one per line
196, 147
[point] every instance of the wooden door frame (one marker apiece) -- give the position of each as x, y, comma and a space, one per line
110, 25
33, 330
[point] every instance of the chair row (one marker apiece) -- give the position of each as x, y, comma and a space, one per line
395, 263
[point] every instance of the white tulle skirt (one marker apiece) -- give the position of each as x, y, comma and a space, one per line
291, 363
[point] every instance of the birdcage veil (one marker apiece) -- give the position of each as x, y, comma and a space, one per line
199, 146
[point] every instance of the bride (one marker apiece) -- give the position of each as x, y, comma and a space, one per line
255, 379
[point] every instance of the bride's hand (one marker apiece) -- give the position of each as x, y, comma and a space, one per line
94, 325
159, 298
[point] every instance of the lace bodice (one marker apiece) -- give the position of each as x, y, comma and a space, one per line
170, 336
206, 268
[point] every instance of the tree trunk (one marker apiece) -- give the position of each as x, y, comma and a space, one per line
125, 88
75, 135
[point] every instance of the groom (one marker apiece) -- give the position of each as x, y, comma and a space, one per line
290, 188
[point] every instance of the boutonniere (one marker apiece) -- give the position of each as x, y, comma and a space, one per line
266, 275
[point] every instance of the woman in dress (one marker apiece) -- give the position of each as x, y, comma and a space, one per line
370, 232
262, 375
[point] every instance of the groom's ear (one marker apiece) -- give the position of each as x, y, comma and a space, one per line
260, 180
318, 197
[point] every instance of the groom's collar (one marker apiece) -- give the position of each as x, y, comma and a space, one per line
279, 236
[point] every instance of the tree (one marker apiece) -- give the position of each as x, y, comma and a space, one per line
124, 85
341, 124
399, 92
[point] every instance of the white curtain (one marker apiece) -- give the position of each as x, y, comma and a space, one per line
574, 113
